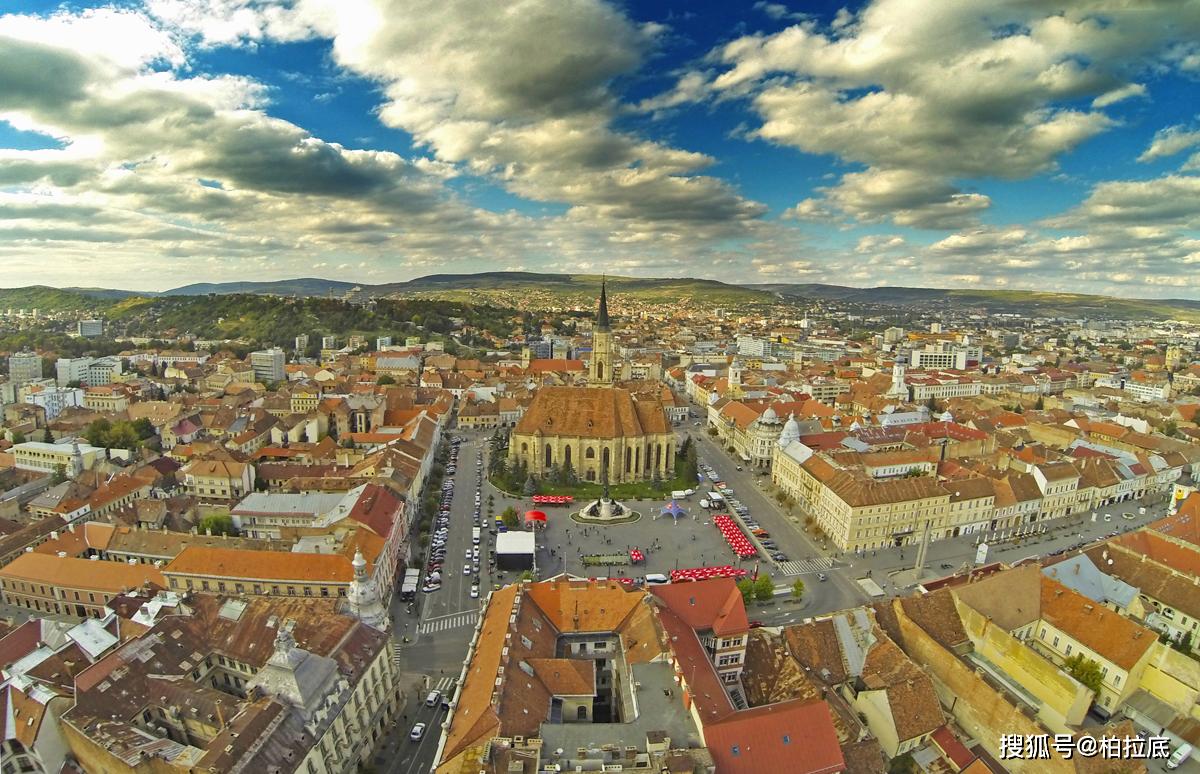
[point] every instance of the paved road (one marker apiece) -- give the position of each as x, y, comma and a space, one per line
441, 628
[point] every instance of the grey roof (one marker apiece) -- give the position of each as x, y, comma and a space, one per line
307, 503
1081, 575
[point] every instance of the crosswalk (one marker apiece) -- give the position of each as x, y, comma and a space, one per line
452, 621
444, 686
805, 565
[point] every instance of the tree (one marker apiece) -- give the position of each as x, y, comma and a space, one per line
59, 475
1086, 671
1170, 428
567, 475
1040, 405
18, 437
746, 586
530, 486
764, 589
47, 437
219, 523
385, 379
509, 517
798, 590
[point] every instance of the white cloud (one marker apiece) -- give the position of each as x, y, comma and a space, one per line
1169, 141
943, 90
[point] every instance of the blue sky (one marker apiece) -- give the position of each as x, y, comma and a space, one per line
150, 144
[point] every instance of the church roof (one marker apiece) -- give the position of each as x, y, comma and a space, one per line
592, 412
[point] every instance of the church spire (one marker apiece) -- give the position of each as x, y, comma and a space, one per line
602, 317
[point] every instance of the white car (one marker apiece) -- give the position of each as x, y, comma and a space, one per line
466, 569
467, 554
417, 732
474, 592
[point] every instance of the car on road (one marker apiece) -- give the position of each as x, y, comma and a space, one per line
822, 577
779, 556
474, 592
433, 698
756, 624
467, 554
417, 732
466, 569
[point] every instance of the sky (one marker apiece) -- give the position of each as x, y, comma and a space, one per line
930, 143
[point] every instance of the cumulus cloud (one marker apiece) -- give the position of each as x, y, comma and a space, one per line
1169, 141
943, 90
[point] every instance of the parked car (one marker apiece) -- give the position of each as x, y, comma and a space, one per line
822, 577
417, 732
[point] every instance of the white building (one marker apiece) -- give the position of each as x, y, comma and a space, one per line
54, 401
93, 372
24, 367
945, 355
268, 365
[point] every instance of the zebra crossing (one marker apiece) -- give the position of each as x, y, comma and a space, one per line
447, 622
444, 686
801, 566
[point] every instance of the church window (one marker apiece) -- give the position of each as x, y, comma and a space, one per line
549, 457
599, 369
590, 453
581, 712
657, 456
566, 456
524, 448
628, 459
606, 456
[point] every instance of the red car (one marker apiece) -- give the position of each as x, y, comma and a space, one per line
756, 624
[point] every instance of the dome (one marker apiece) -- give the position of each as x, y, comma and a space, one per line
769, 417
791, 431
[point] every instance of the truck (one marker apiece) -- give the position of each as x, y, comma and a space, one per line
408, 587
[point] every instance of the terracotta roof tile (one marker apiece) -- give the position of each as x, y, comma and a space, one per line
261, 565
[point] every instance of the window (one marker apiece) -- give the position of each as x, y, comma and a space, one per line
1068, 649
1117, 680
1055, 643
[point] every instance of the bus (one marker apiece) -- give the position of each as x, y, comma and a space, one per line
408, 587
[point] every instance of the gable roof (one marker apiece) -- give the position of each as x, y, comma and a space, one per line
714, 604
797, 737
1106, 633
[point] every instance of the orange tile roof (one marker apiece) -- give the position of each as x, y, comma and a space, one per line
566, 676
709, 604
793, 736
1106, 633
583, 606
84, 574
261, 565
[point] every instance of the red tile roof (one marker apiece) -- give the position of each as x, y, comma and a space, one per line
796, 737
709, 604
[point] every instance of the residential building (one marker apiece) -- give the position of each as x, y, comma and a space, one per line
24, 367
89, 328
253, 685
217, 479
69, 586
54, 400
268, 365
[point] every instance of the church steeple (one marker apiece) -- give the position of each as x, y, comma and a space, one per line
600, 370
602, 317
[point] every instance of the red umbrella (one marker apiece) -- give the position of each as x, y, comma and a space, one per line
535, 516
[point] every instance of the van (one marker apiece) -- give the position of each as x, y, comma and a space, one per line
656, 578
475, 535
433, 698
1179, 756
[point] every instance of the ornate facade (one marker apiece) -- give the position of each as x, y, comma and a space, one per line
596, 427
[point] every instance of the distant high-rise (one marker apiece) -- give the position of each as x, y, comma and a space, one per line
90, 328
329, 342
268, 365
24, 367
301, 343
382, 342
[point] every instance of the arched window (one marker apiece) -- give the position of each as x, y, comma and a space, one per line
524, 448
581, 712
591, 475
657, 456
590, 453
605, 457
566, 456
549, 456
628, 458
599, 374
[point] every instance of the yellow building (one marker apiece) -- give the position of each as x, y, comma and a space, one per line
264, 573
72, 458
105, 399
